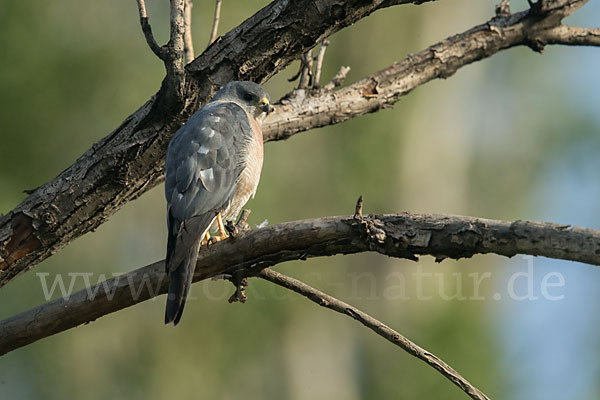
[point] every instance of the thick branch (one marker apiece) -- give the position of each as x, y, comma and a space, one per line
280, 33
376, 326
130, 160
403, 236
569, 35
303, 111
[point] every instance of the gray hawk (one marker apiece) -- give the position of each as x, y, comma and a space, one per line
212, 168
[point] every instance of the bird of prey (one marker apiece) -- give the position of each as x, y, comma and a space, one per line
212, 167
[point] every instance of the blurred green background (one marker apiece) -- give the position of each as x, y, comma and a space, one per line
513, 137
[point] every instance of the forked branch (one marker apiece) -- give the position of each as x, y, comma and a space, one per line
384, 88
129, 161
147, 30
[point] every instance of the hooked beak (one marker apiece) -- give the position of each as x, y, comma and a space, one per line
266, 107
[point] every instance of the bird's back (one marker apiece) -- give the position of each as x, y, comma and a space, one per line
208, 160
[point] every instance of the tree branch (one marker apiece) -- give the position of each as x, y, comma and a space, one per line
503, 8
129, 161
395, 235
147, 30
215, 25
572, 36
390, 3
188, 41
319, 64
337, 80
173, 53
176, 43
306, 67
383, 89
327, 301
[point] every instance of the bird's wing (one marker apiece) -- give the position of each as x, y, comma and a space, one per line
202, 168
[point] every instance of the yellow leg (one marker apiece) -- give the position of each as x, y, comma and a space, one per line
206, 240
222, 232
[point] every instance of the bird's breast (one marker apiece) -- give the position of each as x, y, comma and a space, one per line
252, 161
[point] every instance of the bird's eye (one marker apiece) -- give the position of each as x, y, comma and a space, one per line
248, 96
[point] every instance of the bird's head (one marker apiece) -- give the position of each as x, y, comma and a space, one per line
249, 95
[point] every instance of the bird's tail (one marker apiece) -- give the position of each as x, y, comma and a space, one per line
181, 279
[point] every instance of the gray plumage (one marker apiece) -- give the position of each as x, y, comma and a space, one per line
213, 166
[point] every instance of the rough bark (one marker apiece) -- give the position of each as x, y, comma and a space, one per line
129, 161
396, 235
308, 109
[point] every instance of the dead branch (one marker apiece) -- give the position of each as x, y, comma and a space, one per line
306, 68
319, 65
503, 8
188, 41
396, 235
327, 301
338, 79
572, 36
147, 30
215, 26
173, 52
129, 161
440, 61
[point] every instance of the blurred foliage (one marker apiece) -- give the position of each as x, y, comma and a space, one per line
478, 144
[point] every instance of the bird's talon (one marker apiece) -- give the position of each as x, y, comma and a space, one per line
222, 230
217, 238
206, 240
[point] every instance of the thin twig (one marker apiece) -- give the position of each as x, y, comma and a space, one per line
503, 8
142, 8
215, 27
358, 215
324, 300
297, 74
188, 42
147, 29
306, 64
338, 79
240, 283
54, 227
176, 41
320, 58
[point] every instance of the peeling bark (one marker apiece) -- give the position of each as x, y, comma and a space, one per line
308, 109
395, 235
130, 160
